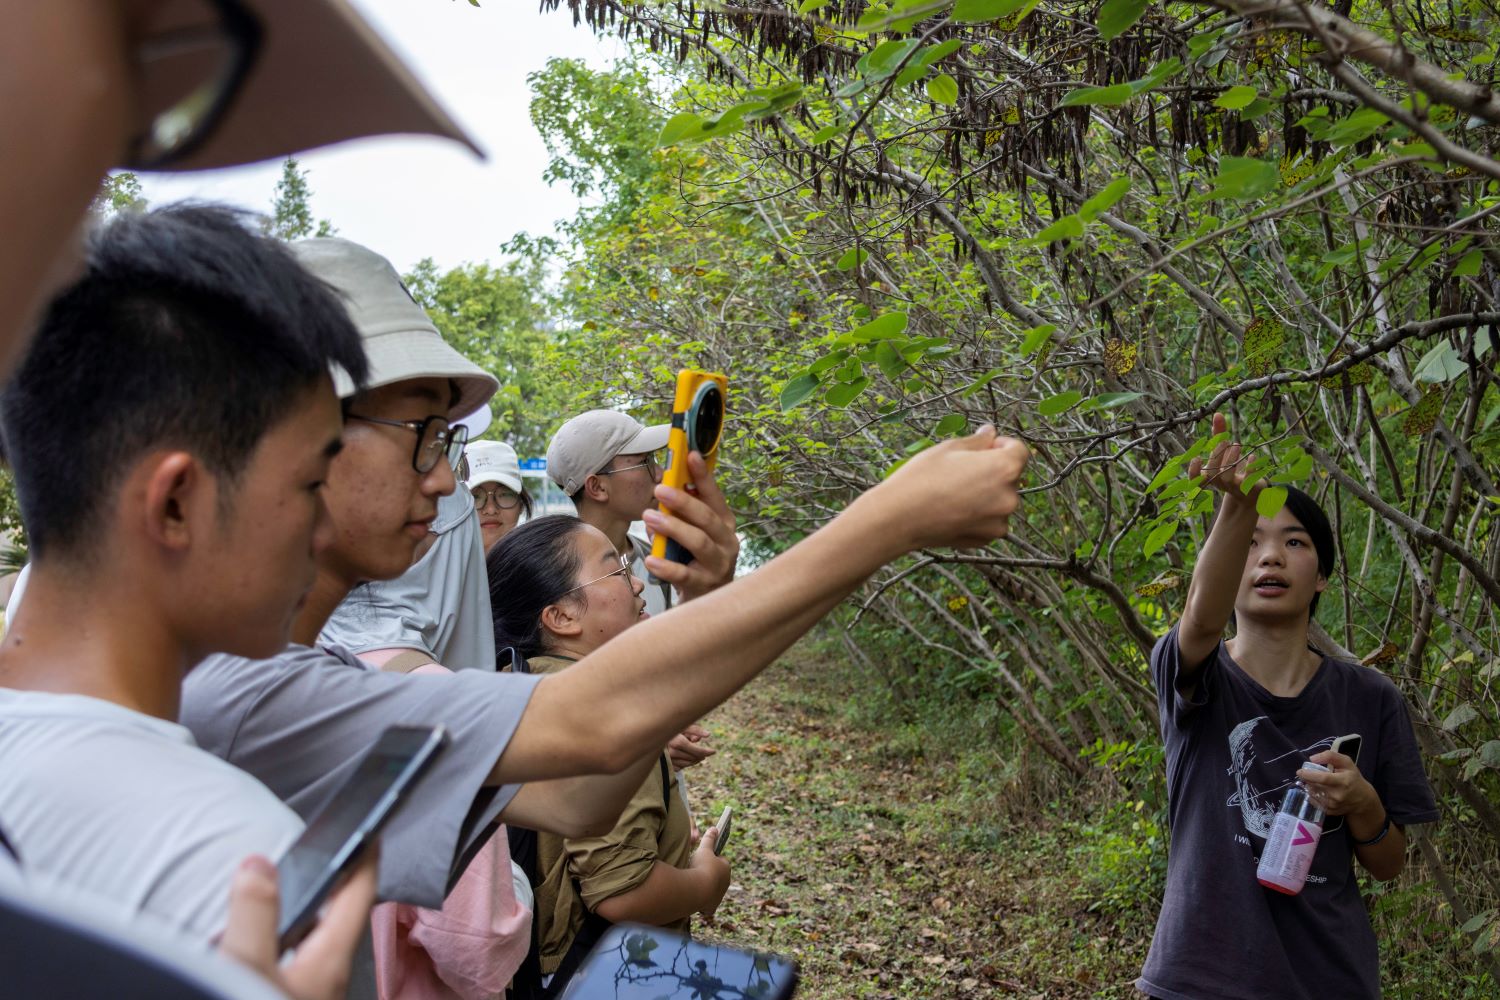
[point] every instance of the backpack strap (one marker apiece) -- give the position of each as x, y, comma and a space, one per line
405, 663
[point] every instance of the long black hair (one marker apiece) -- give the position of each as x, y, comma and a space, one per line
531, 567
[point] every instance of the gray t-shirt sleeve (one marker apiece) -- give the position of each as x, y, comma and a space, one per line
302, 721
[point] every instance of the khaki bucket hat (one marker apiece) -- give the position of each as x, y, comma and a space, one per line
399, 339
321, 75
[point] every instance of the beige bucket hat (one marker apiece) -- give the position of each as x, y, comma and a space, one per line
323, 75
399, 339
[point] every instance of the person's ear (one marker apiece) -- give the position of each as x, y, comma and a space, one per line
561, 619
596, 488
1321, 585
177, 491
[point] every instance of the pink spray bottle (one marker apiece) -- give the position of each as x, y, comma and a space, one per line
1289, 850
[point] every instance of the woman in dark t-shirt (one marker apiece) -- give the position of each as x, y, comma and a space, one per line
1239, 717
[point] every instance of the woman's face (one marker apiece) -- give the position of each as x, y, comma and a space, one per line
613, 596
495, 518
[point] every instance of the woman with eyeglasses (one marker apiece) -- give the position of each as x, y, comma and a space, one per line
558, 592
494, 481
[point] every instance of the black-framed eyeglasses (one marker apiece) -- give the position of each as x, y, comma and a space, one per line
190, 75
652, 467
436, 439
624, 571
502, 497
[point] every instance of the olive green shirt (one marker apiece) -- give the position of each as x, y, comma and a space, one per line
578, 874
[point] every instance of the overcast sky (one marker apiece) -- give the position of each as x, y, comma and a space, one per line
410, 198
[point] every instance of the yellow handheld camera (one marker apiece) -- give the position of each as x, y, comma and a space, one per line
697, 425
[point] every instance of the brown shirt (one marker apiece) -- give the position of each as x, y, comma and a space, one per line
580, 873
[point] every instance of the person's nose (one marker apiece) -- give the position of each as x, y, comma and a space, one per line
323, 527
637, 585
439, 480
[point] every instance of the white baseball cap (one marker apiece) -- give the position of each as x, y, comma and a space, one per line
587, 443
493, 462
399, 339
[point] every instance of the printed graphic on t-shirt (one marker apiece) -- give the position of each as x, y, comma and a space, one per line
1262, 774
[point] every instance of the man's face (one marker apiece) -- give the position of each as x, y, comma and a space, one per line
1281, 570
248, 581
382, 507
632, 482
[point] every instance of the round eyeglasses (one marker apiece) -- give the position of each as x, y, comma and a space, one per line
502, 497
436, 439
653, 469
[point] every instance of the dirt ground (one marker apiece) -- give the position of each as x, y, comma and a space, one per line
850, 855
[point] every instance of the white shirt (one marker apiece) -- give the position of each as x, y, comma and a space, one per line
126, 807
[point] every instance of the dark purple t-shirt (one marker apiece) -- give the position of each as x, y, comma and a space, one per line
1232, 750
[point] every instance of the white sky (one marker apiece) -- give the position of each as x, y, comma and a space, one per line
409, 198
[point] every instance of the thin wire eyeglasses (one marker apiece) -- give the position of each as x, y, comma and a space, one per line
650, 465
503, 497
435, 439
624, 571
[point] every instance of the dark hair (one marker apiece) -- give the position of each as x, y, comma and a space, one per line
186, 330
527, 504
1310, 515
530, 568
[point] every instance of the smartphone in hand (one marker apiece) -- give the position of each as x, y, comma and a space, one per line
1348, 746
349, 822
723, 826
697, 425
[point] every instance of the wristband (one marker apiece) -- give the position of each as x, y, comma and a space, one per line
1385, 828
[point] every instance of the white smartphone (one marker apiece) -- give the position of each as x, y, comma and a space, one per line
724, 825
1348, 746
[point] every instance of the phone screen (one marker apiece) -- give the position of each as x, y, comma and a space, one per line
332, 841
632, 962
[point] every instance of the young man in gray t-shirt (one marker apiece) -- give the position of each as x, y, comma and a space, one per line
1239, 717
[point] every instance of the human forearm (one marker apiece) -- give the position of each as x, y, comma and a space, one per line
581, 806
668, 895
1216, 580
1387, 857
633, 694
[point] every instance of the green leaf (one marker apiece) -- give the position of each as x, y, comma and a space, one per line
1158, 537
1464, 713
1236, 97
979, 11
1441, 364
1355, 127
1118, 15
1159, 74
825, 133
943, 89
1106, 96
854, 257
831, 361
1060, 403
1035, 339
1490, 753
953, 423
882, 61
940, 50
1270, 501
1469, 265
1111, 400
1477, 921
1243, 177
678, 126
1173, 466
882, 327
1068, 227
796, 391
808, 6
1104, 200
890, 360
844, 393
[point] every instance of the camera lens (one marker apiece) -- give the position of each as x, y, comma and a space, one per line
706, 418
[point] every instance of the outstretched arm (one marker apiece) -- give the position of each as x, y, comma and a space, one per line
629, 697
1221, 564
